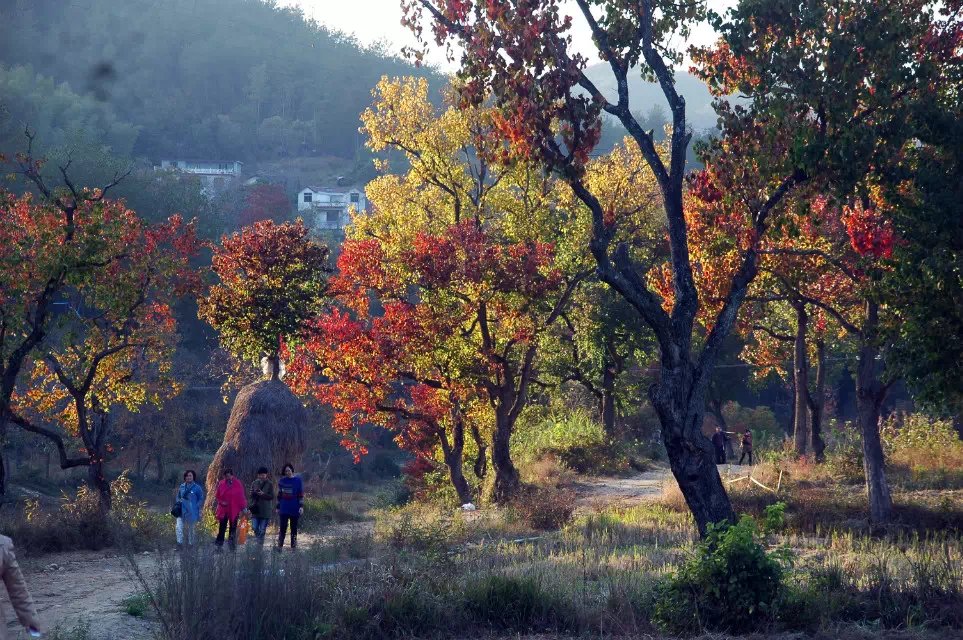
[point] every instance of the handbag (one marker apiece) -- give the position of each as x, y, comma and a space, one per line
177, 510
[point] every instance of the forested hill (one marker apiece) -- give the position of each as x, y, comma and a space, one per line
219, 79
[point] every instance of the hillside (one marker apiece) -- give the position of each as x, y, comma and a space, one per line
643, 96
237, 79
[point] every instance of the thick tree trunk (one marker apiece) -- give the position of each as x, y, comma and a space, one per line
507, 480
97, 480
607, 403
272, 366
681, 411
870, 393
801, 382
817, 403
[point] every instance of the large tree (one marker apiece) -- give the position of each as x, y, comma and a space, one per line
814, 108
468, 247
114, 345
47, 244
271, 281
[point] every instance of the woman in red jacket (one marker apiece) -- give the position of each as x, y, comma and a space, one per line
231, 502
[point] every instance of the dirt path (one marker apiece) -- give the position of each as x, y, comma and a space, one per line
69, 588
599, 492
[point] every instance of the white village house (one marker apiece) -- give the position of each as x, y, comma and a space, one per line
328, 207
216, 176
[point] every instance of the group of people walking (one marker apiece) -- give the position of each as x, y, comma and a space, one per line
261, 500
721, 442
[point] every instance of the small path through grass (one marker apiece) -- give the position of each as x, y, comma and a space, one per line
600, 492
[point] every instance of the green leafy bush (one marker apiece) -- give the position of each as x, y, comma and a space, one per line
575, 438
775, 520
915, 431
136, 605
729, 584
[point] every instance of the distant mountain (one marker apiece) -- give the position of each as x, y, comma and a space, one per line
644, 95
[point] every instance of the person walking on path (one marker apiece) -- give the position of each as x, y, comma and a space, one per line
261, 501
719, 444
190, 496
746, 447
231, 502
16, 590
290, 504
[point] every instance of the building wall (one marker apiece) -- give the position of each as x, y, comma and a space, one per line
329, 210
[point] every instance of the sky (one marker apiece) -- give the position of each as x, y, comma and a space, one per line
380, 20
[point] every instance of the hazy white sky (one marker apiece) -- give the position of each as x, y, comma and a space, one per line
373, 20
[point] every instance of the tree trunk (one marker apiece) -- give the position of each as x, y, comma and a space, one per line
3, 468
455, 458
507, 480
97, 480
481, 459
691, 457
817, 402
801, 381
272, 366
160, 464
870, 393
607, 403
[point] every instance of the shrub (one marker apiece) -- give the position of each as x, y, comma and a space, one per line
730, 584
917, 432
395, 494
544, 509
775, 520
136, 605
575, 438
77, 523
420, 528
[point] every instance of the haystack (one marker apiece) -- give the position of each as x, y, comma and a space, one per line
266, 428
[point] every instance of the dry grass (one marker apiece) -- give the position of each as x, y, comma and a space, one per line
266, 428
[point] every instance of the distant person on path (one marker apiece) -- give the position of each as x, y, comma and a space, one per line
190, 496
719, 444
16, 590
231, 502
746, 446
260, 503
290, 504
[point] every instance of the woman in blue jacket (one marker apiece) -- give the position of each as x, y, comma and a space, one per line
190, 495
290, 504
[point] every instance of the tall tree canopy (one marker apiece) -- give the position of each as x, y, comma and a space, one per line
272, 280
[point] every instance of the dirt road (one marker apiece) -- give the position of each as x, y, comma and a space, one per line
599, 492
69, 588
